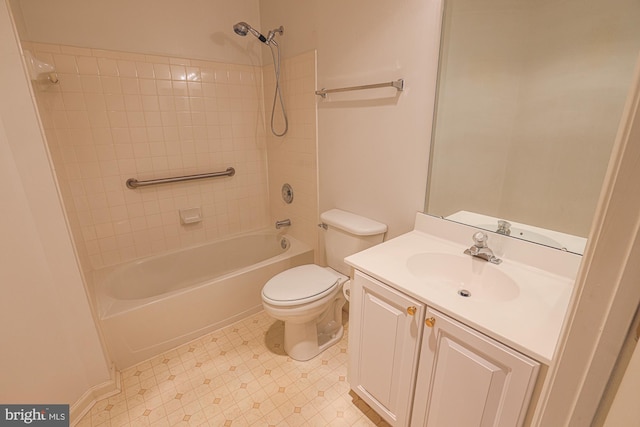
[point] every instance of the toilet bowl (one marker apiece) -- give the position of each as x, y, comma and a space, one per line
309, 298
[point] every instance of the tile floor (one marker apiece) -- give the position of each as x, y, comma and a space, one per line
237, 376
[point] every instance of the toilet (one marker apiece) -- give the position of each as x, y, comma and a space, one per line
309, 298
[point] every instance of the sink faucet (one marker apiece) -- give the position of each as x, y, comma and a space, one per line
481, 250
283, 223
504, 227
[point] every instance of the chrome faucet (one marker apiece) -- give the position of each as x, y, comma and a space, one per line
481, 250
283, 223
504, 227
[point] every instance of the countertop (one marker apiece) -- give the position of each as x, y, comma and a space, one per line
531, 322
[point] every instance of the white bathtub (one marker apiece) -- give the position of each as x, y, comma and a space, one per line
154, 304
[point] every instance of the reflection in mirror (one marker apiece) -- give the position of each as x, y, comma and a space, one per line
530, 94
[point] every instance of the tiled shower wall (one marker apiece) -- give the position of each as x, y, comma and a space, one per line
293, 158
118, 115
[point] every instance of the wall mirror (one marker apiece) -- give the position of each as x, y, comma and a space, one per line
530, 95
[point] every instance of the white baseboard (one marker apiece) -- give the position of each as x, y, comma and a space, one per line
98, 392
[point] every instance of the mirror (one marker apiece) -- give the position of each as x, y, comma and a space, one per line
530, 94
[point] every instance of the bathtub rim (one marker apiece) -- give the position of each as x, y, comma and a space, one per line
107, 306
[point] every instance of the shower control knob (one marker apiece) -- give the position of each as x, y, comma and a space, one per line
287, 193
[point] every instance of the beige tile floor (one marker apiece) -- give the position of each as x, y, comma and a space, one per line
237, 376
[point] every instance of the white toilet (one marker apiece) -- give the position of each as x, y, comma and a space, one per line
309, 298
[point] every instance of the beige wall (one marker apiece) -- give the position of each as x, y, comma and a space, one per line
372, 146
199, 29
118, 115
606, 294
529, 107
51, 352
625, 410
292, 159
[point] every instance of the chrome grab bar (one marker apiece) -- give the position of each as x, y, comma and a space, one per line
398, 84
134, 183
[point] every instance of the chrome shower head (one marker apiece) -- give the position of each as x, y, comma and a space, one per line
242, 28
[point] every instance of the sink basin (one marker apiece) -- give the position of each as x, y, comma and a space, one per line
470, 277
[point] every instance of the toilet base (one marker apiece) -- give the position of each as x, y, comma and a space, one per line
303, 342
311, 328
306, 340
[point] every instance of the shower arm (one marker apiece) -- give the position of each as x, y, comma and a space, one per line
272, 33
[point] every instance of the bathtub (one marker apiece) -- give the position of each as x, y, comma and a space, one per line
152, 305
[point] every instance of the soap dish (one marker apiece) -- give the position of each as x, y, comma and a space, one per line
190, 215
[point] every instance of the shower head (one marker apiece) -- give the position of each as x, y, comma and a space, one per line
242, 28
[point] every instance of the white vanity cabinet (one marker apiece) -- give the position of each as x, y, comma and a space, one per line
468, 379
385, 329
414, 365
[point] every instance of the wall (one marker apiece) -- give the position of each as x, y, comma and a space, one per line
372, 146
606, 294
626, 369
625, 409
529, 107
51, 352
118, 115
198, 29
292, 159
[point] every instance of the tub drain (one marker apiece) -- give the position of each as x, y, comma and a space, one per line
464, 293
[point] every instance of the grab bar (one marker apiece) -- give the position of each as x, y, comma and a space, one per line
398, 84
134, 183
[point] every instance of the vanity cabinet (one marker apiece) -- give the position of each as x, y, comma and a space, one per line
385, 329
414, 365
468, 379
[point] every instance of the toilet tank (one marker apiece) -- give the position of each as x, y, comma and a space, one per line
348, 233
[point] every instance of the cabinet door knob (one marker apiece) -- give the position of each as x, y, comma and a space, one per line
411, 310
430, 321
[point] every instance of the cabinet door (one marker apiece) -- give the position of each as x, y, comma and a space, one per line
385, 327
467, 379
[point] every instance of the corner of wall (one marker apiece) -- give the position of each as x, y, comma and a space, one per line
98, 392
293, 158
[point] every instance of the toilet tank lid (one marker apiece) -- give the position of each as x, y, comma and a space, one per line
352, 223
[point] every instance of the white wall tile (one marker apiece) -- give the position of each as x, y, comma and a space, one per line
120, 116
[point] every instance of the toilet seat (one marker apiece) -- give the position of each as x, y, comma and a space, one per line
300, 285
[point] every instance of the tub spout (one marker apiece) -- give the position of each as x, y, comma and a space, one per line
283, 223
